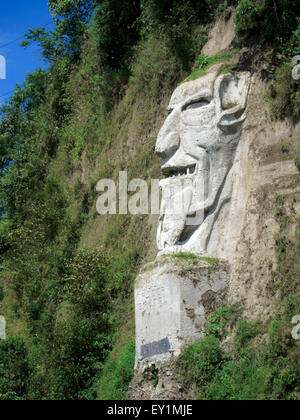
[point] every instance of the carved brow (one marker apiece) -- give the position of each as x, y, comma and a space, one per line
200, 97
196, 103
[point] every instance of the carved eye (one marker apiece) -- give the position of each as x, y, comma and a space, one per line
197, 105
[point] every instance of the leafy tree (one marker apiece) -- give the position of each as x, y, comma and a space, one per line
274, 20
70, 19
14, 369
20, 166
117, 30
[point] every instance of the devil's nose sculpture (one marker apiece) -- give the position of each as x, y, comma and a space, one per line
198, 144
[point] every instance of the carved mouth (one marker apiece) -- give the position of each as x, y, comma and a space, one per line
179, 172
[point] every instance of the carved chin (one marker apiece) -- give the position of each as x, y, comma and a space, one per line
170, 231
175, 231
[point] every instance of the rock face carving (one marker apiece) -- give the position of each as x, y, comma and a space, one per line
198, 143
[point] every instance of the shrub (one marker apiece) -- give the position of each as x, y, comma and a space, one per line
273, 21
199, 363
14, 369
223, 320
242, 379
246, 16
285, 94
117, 375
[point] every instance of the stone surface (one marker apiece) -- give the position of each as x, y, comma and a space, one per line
199, 144
2, 328
221, 35
269, 173
166, 386
245, 229
173, 299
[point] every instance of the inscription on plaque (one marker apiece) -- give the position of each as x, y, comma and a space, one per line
157, 347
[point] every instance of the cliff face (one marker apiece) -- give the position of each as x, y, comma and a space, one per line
257, 231
272, 211
67, 274
267, 189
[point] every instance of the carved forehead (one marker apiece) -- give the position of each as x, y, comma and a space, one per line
204, 85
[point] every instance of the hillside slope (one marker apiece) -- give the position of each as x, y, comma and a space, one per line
67, 273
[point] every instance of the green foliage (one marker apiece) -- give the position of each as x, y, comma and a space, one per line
288, 250
14, 369
155, 67
245, 332
248, 371
4, 233
296, 40
273, 20
241, 379
176, 20
297, 154
152, 374
223, 320
71, 19
117, 375
276, 22
247, 17
285, 94
213, 262
188, 256
199, 364
117, 31
66, 276
194, 259
202, 63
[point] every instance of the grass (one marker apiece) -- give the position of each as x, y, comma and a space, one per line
186, 256
223, 320
284, 94
248, 371
152, 375
213, 262
117, 375
203, 63
189, 256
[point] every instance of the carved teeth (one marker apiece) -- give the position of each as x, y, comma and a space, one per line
174, 173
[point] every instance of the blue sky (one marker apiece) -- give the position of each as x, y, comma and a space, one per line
16, 17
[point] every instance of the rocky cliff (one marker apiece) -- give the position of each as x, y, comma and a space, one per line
201, 92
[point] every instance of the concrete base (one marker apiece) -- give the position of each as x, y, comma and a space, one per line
2, 328
173, 298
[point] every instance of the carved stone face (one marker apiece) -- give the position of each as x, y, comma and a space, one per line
198, 143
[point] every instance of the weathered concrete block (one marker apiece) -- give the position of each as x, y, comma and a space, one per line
2, 328
173, 298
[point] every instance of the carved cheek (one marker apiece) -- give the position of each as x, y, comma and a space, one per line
201, 138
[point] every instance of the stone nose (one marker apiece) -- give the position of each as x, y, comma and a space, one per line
168, 139
179, 160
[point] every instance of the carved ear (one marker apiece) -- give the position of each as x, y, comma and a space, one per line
231, 91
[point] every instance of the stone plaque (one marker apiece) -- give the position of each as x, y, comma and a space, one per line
155, 348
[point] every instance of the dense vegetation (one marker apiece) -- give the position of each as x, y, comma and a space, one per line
259, 362
66, 276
